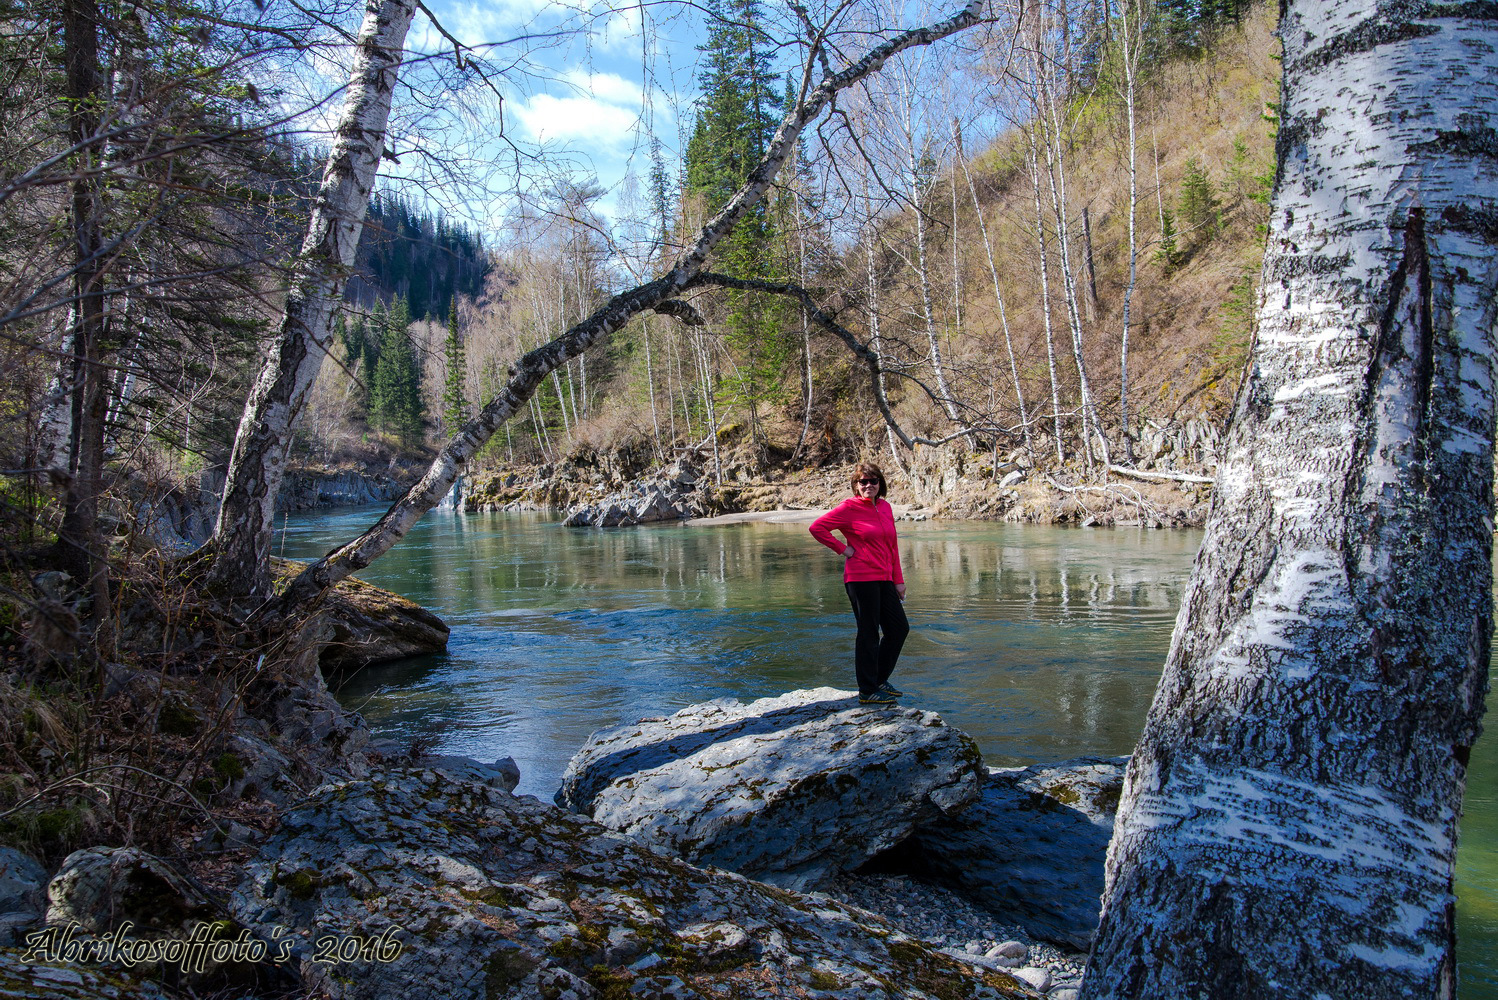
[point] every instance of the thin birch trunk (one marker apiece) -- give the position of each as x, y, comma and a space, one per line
80, 547
582, 371
1045, 297
655, 418
242, 536
709, 400
1131, 35
923, 275
673, 360
1087, 261
1056, 177
956, 266
556, 383
871, 277
1289, 819
923, 271
805, 325
998, 295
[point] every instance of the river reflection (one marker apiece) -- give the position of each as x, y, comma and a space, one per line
1042, 643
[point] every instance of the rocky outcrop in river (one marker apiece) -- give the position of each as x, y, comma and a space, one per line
369, 625
788, 790
671, 495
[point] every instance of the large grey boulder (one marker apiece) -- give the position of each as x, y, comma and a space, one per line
100, 889
787, 790
1031, 849
458, 889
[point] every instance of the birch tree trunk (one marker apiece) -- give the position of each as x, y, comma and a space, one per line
998, 294
915, 165
1131, 40
655, 418
81, 549
1288, 825
1045, 298
242, 536
806, 372
1055, 156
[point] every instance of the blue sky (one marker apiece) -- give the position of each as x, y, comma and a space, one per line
581, 95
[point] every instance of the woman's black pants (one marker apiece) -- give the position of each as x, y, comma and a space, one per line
876, 606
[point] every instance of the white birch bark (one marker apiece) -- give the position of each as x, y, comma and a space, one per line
242, 535
806, 372
1055, 155
655, 418
529, 370
913, 166
998, 294
1045, 297
1289, 821
1130, 40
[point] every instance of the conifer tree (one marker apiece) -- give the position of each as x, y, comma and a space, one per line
454, 403
1168, 253
1199, 204
395, 405
736, 118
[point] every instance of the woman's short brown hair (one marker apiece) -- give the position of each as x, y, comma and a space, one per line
868, 469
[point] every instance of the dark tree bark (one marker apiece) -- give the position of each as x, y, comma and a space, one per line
1288, 826
80, 548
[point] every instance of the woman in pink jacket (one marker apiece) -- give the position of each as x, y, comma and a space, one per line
872, 577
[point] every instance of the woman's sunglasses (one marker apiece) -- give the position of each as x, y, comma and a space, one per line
868, 482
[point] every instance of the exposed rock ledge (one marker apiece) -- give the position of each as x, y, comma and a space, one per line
494, 895
370, 625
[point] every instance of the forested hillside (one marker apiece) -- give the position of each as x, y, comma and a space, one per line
421, 257
1002, 286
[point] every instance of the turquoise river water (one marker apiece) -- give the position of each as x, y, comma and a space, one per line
1042, 643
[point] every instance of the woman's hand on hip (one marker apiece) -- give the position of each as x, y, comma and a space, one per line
848, 552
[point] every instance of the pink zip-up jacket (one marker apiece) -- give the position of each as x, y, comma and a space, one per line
869, 526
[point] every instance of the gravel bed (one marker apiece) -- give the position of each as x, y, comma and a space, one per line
943, 918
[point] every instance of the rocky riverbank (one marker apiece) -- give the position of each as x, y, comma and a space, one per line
404, 876
943, 483
179, 516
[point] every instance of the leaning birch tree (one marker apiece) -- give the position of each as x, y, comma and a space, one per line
812, 96
242, 536
1289, 820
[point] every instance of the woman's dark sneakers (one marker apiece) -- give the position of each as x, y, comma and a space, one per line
891, 690
877, 698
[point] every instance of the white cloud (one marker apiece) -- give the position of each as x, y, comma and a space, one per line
608, 87
567, 119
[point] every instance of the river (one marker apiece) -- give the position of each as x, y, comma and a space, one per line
1042, 643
